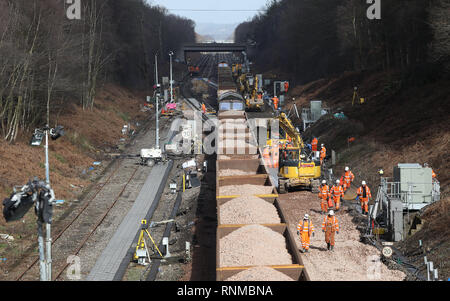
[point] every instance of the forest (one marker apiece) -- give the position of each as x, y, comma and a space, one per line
49, 62
312, 39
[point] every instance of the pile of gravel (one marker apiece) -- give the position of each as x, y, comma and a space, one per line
235, 172
238, 157
248, 210
253, 245
246, 189
260, 274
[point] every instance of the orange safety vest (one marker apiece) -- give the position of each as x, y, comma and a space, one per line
314, 144
324, 192
360, 192
330, 222
323, 152
433, 174
203, 108
286, 86
305, 226
348, 177
337, 192
275, 156
267, 157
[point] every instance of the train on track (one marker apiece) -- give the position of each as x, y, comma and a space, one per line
241, 174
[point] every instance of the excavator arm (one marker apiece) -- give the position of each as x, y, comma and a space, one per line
290, 130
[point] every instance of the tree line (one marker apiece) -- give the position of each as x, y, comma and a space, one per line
48, 62
311, 39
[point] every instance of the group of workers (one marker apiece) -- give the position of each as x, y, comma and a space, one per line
330, 226
323, 149
330, 202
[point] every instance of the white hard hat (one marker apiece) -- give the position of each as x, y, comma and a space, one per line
338, 182
347, 169
322, 145
324, 182
363, 183
306, 216
331, 212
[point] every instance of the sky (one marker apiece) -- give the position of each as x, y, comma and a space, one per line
246, 9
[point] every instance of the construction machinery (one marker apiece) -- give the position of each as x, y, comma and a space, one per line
251, 89
297, 167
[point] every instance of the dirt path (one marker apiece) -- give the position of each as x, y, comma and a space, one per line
351, 260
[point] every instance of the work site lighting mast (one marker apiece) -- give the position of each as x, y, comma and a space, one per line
42, 196
171, 77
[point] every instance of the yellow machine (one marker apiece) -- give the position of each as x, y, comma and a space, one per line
297, 169
249, 87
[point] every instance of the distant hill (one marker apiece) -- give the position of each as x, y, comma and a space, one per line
219, 32
203, 38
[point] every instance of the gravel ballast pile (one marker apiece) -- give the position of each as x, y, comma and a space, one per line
246, 189
238, 157
253, 245
260, 274
235, 172
248, 210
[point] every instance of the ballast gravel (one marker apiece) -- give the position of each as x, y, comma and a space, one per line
248, 210
253, 245
260, 274
235, 172
246, 189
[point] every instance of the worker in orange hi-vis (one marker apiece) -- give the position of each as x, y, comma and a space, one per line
364, 195
433, 174
336, 192
323, 153
286, 86
314, 144
324, 196
203, 108
347, 179
305, 229
330, 226
275, 102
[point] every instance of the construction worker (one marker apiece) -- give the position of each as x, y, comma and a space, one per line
286, 87
324, 196
433, 174
330, 226
275, 102
305, 229
314, 144
336, 192
364, 195
203, 108
323, 153
347, 179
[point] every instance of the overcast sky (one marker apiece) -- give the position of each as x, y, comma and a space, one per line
246, 9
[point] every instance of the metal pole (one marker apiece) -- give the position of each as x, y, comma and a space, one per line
157, 103
171, 78
48, 239
42, 267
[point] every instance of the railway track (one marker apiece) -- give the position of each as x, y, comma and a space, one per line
85, 211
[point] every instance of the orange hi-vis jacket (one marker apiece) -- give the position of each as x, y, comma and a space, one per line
330, 223
324, 192
323, 152
305, 227
360, 192
433, 174
348, 177
337, 192
314, 144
